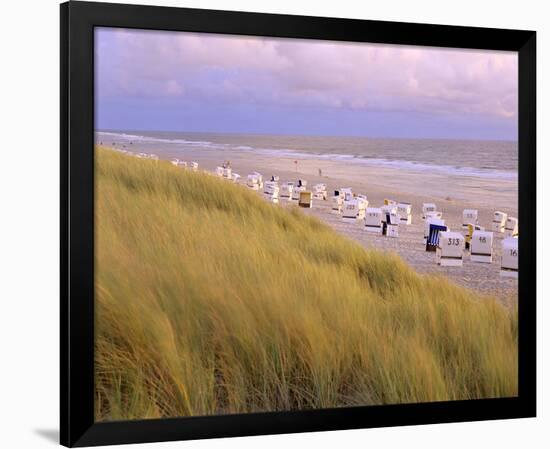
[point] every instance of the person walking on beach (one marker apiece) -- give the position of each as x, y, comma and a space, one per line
320, 173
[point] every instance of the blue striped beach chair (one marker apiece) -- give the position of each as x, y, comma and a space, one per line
433, 237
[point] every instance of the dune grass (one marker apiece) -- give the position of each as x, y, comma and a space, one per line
210, 300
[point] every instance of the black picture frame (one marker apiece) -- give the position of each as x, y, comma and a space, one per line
78, 20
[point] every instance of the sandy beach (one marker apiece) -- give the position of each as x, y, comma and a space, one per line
452, 194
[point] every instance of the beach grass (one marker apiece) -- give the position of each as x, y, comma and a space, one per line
210, 300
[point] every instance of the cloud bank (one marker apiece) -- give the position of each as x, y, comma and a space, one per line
156, 68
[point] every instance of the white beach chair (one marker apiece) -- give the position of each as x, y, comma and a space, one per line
194, 166
363, 204
469, 233
481, 247
182, 164
363, 199
253, 182
153, 157
469, 216
271, 191
350, 210
337, 202
219, 172
373, 220
428, 207
269, 187
347, 193
499, 221
260, 179
388, 209
450, 249
320, 191
391, 225
227, 173
286, 190
511, 227
175, 161
510, 255
235, 177
405, 213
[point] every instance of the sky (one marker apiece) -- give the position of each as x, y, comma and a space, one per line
196, 82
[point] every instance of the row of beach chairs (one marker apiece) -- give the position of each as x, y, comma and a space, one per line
151, 156
450, 247
384, 220
289, 191
193, 166
273, 191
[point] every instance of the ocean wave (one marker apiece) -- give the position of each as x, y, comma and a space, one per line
399, 164
151, 139
483, 172
443, 169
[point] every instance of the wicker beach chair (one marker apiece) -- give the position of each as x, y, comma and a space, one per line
433, 237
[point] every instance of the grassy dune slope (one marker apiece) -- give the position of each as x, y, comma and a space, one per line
210, 300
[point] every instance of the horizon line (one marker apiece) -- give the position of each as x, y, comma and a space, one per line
307, 135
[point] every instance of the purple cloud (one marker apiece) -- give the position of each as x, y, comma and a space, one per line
305, 73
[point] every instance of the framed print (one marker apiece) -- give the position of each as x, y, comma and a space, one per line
276, 224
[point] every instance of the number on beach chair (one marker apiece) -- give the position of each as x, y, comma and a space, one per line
450, 249
510, 255
481, 247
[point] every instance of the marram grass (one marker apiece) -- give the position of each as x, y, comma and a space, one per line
210, 300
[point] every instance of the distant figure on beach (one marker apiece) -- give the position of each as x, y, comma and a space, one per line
320, 173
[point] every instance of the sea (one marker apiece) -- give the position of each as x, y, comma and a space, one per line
477, 158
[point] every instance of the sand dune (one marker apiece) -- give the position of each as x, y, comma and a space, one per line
452, 194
